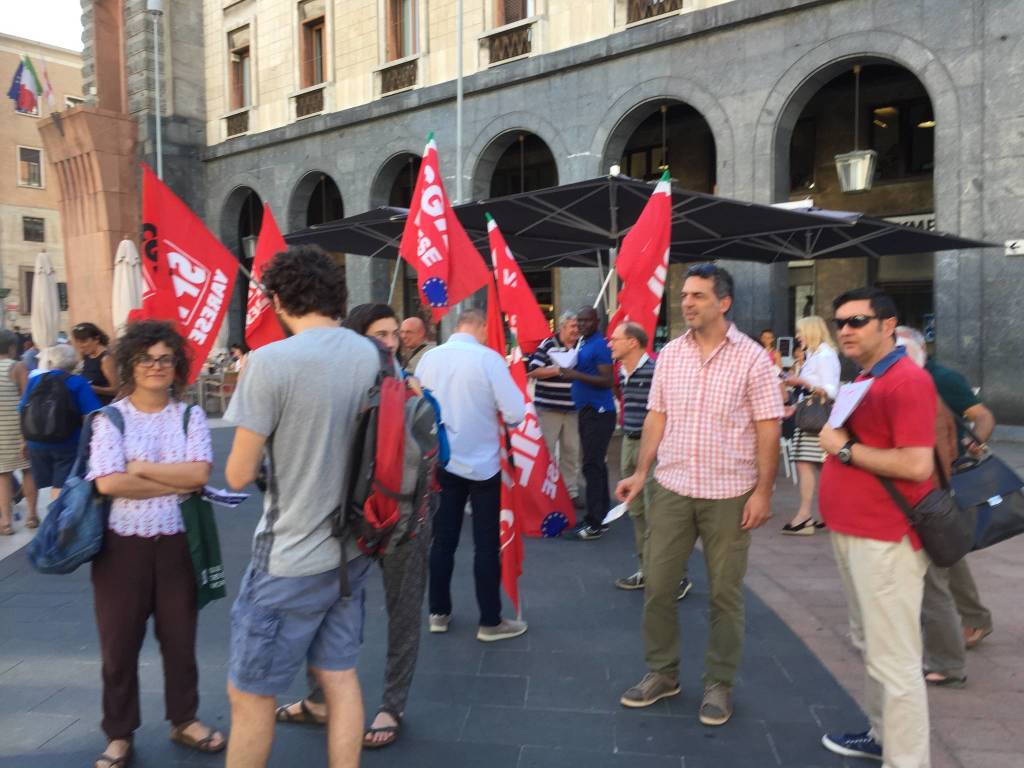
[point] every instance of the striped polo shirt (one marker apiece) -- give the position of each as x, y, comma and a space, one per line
635, 389
554, 394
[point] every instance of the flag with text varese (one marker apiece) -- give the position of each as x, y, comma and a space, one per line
525, 318
448, 267
261, 325
642, 262
188, 274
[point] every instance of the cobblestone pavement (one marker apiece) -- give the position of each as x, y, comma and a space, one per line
549, 698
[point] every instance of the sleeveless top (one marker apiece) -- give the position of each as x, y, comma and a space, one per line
92, 371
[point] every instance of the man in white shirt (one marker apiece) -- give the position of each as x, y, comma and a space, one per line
474, 388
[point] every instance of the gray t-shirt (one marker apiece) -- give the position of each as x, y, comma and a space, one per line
303, 394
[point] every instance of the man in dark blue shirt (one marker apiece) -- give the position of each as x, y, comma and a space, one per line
592, 380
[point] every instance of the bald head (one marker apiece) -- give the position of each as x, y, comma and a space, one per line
413, 332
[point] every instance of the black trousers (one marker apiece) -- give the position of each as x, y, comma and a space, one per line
595, 433
485, 498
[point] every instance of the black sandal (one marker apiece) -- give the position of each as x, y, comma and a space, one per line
304, 716
117, 762
390, 730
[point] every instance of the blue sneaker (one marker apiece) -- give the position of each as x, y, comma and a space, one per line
853, 745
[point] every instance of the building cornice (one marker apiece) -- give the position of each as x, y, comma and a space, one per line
653, 34
53, 53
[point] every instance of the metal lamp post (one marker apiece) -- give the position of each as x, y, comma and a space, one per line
155, 8
856, 169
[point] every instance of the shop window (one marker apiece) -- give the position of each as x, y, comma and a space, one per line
33, 229
240, 64
311, 16
903, 134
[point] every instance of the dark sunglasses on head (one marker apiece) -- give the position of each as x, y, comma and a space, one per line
854, 321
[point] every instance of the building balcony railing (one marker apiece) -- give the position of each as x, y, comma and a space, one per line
398, 76
237, 123
309, 102
510, 42
641, 10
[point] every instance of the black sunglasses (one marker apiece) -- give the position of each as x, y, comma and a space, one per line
854, 321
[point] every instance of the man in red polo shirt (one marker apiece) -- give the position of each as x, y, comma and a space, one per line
891, 433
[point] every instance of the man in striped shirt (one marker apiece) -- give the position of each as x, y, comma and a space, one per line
628, 344
556, 411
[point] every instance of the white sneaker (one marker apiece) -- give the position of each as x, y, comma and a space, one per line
439, 622
508, 628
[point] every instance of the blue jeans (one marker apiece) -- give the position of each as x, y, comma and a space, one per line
485, 497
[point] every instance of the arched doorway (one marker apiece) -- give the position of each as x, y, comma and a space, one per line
316, 200
522, 163
393, 186
896, 119
240, 227
655, 136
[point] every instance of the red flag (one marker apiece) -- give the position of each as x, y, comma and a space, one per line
525, 318
189, 274
448, 267
261, 325
642, 263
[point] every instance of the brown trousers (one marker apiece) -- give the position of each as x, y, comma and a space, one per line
134, 578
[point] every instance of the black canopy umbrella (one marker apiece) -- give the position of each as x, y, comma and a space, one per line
565, 225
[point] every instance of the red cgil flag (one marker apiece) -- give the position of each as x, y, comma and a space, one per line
642, 263
189, 275
448, 267
525, 318
261, 325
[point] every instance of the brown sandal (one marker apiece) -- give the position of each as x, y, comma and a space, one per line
305, 716
391, 731
204, 744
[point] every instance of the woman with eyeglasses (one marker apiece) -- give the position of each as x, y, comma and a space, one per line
145, 568
818, 377
52, 460
98, 366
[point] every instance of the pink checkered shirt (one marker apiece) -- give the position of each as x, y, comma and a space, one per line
709, 449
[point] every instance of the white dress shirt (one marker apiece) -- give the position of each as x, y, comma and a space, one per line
473, 385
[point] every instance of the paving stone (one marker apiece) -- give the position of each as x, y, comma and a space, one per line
540, 757
447, 688
539, 727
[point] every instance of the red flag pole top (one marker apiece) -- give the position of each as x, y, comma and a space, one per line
525, 317
188, 274
261, 325
642, 262
448, 267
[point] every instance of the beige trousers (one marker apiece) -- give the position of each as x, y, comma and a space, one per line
884, 583
561, 429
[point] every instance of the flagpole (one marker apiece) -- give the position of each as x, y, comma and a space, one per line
394, 279
156, 9
458, 104
604, 285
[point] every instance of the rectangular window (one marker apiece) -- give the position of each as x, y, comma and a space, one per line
73, 101
62, 296
33, 229
311, 17
27, 276
30, 167
509, 11
240, 63
401, 29
903, 135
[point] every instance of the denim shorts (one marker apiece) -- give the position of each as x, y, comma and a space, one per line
278, 623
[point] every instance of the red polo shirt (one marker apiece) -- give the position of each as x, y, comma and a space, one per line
898, 412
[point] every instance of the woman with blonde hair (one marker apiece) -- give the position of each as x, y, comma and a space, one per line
818, 376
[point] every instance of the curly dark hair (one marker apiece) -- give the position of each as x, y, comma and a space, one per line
360, 318
137, 338
86, 331
306, 281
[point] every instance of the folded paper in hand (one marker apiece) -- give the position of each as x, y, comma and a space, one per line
849, 397
223, 497
565, 359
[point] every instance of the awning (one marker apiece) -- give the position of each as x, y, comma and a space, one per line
564, 226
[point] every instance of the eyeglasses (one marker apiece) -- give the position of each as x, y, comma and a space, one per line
854, 321
148, 361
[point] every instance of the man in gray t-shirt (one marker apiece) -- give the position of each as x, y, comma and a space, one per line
297, 402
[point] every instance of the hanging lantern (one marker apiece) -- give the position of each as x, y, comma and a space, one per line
856, 169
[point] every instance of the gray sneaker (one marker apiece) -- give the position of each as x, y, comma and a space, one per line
653, 688
636, 581
439, 622
508, 628
716, 708
684, 588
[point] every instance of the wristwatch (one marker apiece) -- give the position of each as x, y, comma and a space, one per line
845, 454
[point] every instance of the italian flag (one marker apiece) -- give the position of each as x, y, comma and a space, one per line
25, 88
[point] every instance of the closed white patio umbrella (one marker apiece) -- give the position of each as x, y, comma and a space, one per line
127, 293
45, 304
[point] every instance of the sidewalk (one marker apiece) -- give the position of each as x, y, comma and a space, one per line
547, 699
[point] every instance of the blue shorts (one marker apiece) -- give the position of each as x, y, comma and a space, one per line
278, 623
51, 466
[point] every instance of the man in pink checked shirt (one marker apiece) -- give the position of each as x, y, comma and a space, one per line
713, 424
